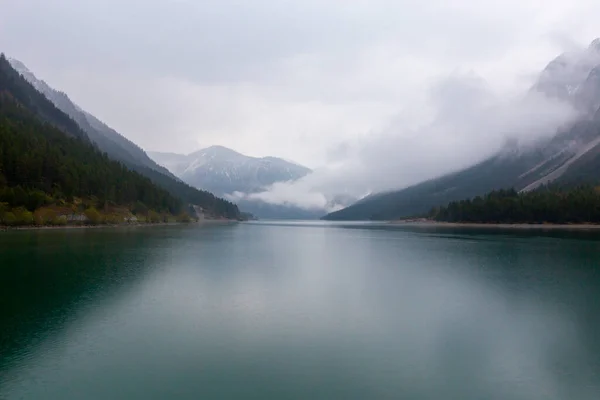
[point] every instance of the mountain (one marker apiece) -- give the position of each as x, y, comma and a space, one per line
574, 77
571, 156
28, 97
46, 159
107, 139
84, 125
223, 171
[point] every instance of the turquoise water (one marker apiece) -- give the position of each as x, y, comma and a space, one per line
299, 311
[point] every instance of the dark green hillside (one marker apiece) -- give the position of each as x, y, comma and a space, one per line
46, 160
569, 157
481, 178
556, 205
120, 149
214, 206
39, 164
516, 169
26, 95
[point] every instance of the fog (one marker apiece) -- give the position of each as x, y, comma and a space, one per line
462, 122
372, 95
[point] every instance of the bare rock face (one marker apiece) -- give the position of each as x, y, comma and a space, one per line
573, 77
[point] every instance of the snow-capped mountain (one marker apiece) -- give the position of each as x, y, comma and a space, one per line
224, 171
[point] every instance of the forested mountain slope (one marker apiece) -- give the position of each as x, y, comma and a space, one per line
46, 158
36, 156
30, 98
554, 205
55, 107
571, 156
107, 139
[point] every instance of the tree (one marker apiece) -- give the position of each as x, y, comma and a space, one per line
9, 218
140, 208
184, 218
547, 205
153, 217
45, 157
22, 216
93, 216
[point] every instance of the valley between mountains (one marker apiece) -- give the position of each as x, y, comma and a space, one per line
224, 183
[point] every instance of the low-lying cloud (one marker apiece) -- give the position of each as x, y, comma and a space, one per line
339, 86
461, 122
271, 78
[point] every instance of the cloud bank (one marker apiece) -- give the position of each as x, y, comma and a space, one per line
461, 123
293, 79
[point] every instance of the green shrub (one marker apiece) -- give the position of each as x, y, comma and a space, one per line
37, 199
4, 208
25, 217
153, 217
113, 219
93, 216
184, 217
22, 216
60, 221
9, 218
140, 209
44, 216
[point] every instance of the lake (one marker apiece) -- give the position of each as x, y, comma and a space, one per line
299, 311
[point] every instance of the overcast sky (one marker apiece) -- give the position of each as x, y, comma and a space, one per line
307, 80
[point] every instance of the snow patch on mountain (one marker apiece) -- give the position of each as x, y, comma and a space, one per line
238, 177
570, 77
225, 171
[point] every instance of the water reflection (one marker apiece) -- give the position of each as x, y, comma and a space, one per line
280, 311
47, 276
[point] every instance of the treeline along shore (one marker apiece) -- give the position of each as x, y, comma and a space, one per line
570, 207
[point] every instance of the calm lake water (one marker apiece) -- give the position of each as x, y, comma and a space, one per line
299, 311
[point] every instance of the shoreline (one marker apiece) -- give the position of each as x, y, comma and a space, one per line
5, 228
522, 226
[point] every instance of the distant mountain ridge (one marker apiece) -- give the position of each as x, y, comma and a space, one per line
224, 171
571, 156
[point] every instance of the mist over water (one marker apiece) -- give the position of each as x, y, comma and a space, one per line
299, 310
